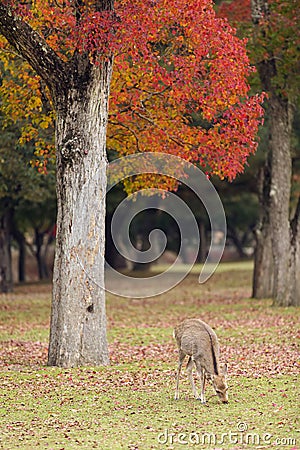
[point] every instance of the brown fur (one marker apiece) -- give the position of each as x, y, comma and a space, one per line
197, 340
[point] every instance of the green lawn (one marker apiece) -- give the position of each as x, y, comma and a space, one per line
129, 404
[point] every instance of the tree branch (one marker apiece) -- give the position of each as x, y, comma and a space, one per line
131, 131
32, 46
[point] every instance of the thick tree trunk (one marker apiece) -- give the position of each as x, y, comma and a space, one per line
285, 235
80, 92
78, 320
276, 271
280, 191
6, 281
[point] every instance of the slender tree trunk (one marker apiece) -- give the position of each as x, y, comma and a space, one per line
78, 321
295, 256
38, 253
20, 239
22, 260
237, 241
203, 242
112, 256
263, 274
6, 280
41, 254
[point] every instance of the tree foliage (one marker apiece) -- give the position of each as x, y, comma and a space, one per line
24, 101
175, 64
277, 39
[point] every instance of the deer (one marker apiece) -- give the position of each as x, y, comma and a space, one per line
199, 342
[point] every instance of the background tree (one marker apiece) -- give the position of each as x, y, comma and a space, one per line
202, 69
274, 43
27, 200
34, 226
277, 68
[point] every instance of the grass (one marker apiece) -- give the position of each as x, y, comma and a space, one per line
129, 404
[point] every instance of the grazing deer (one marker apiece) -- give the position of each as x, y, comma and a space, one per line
198, 341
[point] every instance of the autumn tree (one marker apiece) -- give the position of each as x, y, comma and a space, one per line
24, 110
274, 44
27, 202
277, 68
172, 61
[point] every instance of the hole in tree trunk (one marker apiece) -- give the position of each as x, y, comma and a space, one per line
90, 308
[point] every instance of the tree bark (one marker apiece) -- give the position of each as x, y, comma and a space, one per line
80, 92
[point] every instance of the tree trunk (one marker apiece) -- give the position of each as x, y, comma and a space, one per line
203, 242
280, 191
40, 253
276, 272
263, 275
112, 256
6, 281
20, 239
78, 321
285, 234
80, 91
237, 241
295, 257
22, 260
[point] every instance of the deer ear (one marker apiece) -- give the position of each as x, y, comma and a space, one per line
224, 370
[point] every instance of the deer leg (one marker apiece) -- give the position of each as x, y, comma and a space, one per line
181, 358
202, 377
203, 386
189, 369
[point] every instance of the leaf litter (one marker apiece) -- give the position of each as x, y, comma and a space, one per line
258, 342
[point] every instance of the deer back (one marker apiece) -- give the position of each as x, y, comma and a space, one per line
197, 339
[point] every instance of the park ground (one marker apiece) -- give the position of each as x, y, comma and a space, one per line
130, 404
